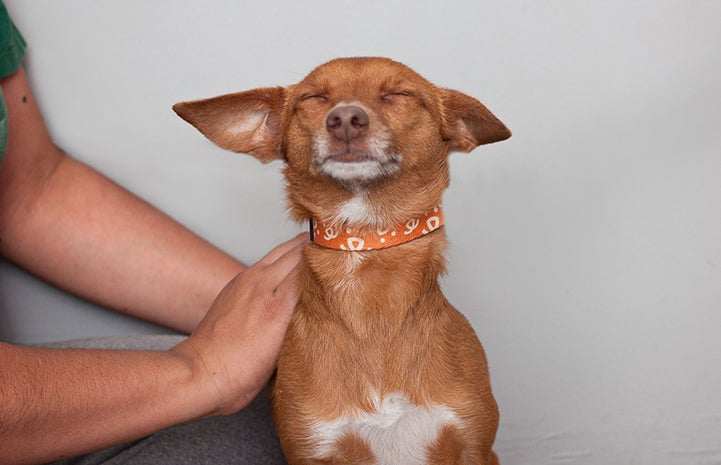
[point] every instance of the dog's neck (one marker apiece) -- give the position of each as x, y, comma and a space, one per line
347, 238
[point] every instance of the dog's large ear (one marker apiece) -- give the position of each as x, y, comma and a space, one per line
467, 123
248, 122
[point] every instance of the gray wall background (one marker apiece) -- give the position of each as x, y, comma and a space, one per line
586, 250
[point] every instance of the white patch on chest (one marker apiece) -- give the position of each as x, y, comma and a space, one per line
397, 432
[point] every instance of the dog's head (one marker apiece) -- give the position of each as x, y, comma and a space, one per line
365, 140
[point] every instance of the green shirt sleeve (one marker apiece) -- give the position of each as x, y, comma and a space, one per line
12, 44
12, 49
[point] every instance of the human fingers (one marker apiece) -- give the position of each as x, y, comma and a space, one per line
286, 293
283, 248
271, 275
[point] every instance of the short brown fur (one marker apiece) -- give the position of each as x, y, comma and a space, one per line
373, 320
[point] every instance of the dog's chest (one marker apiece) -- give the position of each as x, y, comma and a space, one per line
368, 337
395, 432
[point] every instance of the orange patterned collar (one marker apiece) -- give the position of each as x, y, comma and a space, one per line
345, 238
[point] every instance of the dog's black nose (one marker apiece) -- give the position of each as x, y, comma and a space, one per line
347, 122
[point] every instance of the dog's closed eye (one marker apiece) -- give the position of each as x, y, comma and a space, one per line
319, 97
395, 96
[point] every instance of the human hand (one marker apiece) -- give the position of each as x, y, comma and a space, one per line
235, 347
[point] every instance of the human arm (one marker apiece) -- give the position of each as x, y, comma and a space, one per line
60, 403
75, 228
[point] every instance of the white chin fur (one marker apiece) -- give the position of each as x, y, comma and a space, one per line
356, 171
381, 162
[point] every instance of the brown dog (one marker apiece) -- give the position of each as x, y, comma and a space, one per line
377, 367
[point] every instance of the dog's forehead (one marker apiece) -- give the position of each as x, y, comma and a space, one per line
353, 73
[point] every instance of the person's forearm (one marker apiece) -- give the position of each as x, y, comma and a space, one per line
87, 235
61, 403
